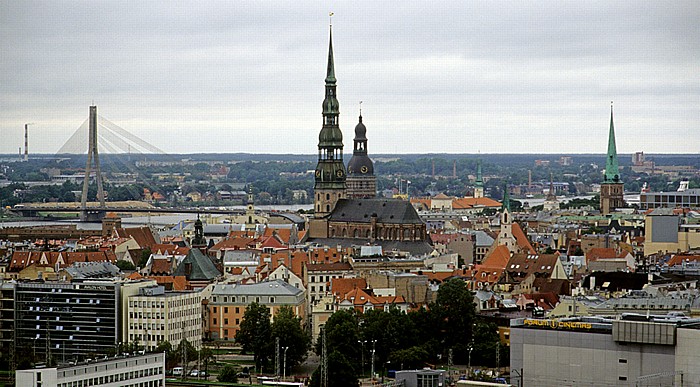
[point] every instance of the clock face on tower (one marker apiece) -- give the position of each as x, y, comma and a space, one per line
363, 169
318, 173
339, 173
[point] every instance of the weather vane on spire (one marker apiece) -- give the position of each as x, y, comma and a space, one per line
330, 18
360, 107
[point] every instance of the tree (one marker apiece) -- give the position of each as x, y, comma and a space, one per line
145, 254
455, 311
227, 374
342, 334
341, 372
411, 358
171, 357
125, 265
255, 334
185, 347
292, 335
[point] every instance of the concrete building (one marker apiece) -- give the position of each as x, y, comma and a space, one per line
7, 318
666, 231
689, 198
156, 315
421, 378
590, 351
227, 303
137, 371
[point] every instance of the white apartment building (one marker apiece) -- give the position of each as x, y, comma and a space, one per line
131, 371
156, 316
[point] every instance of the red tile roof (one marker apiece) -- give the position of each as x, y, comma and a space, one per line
498, 258
341, 286
142, 235
520, 237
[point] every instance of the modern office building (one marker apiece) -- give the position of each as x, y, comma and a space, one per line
132, 371
156, 315
635, 350
62, 321
7, 319
689, 198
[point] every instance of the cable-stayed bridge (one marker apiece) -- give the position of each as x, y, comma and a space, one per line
95, 136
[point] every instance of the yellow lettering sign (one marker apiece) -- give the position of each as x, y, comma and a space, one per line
555, 324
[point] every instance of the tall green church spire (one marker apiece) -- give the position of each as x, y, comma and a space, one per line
330, 72
479, 182
612, 171
506, 198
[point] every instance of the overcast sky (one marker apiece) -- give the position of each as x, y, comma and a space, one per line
444, 77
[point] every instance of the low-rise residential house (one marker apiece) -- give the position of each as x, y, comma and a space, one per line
282, 272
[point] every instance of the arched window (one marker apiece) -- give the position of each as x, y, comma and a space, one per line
328, 196
356, 233
328, 208
345, 232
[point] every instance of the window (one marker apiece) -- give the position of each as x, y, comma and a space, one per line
622, 378
623, 361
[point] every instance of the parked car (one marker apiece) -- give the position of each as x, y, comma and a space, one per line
194, 373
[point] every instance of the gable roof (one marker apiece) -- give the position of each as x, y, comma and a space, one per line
498, 258
466, 203
341, 286
169, 249
386, 210
520, 266
521, 239
201, 267
597, 253
142, 235
678, 259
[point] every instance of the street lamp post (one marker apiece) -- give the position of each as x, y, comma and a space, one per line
284, 363
520, 375
362, 354
374, 342
471, 347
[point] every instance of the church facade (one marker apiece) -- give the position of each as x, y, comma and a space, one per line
347, 212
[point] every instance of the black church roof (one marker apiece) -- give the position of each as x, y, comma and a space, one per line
386, 210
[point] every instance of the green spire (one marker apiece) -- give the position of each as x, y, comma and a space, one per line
612, 171
506, 198
330, 72
479, 182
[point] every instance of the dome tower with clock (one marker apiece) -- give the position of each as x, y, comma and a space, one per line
329, 185
362, 184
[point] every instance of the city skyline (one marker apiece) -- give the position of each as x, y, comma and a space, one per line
464, 78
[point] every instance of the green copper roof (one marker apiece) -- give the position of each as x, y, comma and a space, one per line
479, 182
612, 171
506, 198
330, 72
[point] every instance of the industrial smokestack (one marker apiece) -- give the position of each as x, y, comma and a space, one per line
26, 141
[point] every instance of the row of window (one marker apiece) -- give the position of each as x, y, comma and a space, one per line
114, 378
243, 300
161, 304
214, 321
